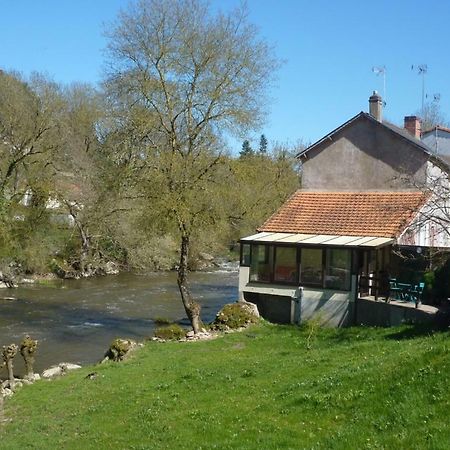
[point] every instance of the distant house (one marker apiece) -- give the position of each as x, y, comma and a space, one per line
62, 202
366, 194
438, 140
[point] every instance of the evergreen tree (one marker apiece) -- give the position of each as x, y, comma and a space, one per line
246, 149
263, 144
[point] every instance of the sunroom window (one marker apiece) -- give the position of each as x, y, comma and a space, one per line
245, 254
311, 271
338, 269
285, 265
260, 267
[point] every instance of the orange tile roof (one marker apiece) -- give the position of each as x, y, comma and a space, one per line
380, 214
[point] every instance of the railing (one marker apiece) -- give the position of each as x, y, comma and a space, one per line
374, 286
390, 289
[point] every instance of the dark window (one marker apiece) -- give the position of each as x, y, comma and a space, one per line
261, 263
245, 255
338, 269
311, 268
285, 270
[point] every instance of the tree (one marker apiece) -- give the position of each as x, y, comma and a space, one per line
80, 181
432, 115
258, 187
28, 141
263, 144
27, 129
185, 77
246, 149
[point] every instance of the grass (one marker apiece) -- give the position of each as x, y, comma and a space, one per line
268, 387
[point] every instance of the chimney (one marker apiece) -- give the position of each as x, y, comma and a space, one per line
413, 126
376, 106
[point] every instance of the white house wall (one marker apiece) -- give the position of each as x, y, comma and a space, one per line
430, 228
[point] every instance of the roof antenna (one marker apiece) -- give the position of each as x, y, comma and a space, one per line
422, 69
381, 70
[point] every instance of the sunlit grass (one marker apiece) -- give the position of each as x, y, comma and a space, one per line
260, 389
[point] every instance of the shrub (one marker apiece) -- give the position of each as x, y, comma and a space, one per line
162, 321
232, 316
118, 349
171, 332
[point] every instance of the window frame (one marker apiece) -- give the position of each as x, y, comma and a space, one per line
271, 248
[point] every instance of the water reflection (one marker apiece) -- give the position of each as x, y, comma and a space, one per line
75, 320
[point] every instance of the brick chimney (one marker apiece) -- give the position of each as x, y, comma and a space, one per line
413, 125
376, 106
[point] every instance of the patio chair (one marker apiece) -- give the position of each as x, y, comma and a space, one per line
419, 294
394, 290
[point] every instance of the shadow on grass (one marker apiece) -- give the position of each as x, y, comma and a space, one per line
413, 331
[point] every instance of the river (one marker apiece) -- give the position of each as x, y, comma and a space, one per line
76, 320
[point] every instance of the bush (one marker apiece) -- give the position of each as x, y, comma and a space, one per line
232, 316
118, 349
171, 332
162, 321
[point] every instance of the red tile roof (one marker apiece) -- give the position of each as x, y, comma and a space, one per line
380, 214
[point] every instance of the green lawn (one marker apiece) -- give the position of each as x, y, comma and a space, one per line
260, 389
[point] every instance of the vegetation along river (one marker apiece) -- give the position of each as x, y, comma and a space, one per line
76, 320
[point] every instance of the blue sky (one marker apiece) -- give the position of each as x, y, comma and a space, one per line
329, 48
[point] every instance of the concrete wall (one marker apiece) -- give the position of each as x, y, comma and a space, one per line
275, 304
274, 308
381, 314
363, 156
244, 276
334, 309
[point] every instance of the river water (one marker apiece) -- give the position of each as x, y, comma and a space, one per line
76, 320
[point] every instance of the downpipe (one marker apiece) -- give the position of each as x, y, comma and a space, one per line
296, 305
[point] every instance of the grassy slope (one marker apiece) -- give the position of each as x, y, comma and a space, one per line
260, 389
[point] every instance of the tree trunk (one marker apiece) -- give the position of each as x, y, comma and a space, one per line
9, 366
84, 237
191, 307
29, 363
8, 353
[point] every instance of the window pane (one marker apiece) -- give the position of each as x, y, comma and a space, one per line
311, 266
337, 273
285, 264
245, 254
260, 267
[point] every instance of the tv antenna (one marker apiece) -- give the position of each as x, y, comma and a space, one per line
422, 70
436, 97
381, 70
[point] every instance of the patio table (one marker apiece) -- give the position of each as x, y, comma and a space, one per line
405, 291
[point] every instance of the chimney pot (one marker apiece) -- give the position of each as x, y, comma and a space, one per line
376, 106
413, 125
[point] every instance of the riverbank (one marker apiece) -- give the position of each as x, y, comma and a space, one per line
204, 263
76, 320
267, 387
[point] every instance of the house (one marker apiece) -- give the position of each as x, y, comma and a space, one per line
369, 191
438, 140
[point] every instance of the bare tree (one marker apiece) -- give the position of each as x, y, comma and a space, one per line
186, 77
432, 115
